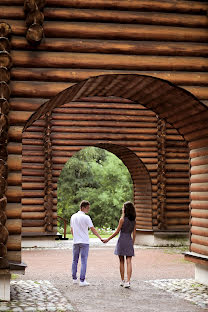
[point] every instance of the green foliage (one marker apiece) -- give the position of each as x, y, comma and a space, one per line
101, 178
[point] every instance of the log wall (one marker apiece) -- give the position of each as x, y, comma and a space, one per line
106, 122
87, 38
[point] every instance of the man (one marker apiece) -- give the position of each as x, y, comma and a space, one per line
80, 223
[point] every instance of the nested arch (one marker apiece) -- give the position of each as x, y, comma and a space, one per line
141, 183
178, 107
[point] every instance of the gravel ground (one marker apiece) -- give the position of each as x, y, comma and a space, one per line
161, 282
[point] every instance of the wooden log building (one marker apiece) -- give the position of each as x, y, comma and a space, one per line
127, 76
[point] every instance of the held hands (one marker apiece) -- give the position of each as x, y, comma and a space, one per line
105, 240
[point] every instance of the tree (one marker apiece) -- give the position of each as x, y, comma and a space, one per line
100, 177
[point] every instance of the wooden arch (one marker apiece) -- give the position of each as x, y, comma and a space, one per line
174, 104
141, 180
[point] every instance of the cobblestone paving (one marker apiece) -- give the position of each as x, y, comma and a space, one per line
35, 296
187, 289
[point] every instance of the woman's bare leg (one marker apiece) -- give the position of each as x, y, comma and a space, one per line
121, 258
129, 268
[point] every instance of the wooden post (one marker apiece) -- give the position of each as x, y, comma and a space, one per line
161, 184
5, 32
48, 190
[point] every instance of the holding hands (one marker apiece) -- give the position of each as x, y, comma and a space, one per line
105, 240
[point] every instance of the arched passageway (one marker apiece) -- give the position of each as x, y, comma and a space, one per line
173, 104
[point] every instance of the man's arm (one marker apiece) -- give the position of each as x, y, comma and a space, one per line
94, 231
72, 231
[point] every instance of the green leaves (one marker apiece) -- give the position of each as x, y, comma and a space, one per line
101, 178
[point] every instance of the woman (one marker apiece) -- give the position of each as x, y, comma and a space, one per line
125, 244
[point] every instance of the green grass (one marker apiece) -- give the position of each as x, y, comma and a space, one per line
90, 236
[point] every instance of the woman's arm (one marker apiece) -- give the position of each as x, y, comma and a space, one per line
134, 234
121, 221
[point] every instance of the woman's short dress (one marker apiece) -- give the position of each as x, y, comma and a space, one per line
124, 246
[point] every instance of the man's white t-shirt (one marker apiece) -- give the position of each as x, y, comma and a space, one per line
80, 223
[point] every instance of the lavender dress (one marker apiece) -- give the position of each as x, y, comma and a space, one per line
124, 245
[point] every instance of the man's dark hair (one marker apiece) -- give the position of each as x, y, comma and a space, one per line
84, 204
129, 211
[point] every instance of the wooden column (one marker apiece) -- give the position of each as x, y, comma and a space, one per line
5, 64
48, 190
161, 172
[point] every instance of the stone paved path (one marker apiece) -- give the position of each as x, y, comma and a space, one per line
162, 282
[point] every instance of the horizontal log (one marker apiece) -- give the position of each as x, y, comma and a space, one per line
101, 61
14, 162
33, 179
195, 204
199, 249
197, 170
102, 129
14, 256
15, 133
76, 75
177, 181
199, 187
199, 213
26, 104
98, 116
111, 47
14, 194
178, 227
14, 178
18, 118
177, 214
201, 222
13, 210
176, 188
200, 143
33, 208
177, 207
33, 186
14, 242
178, 194
32, 166
34, 173
31, 215
32, 193
14, 148
179, 175
177, 200
199, 91
199, 152
14, 226
33, 159
199, 196
37, 89
180, 167
152, 18
199, 178
35, 223
200, 240
177, 221
94, 142
197, 161
177, 161
192, 7
32, 201
101, 136
199, 231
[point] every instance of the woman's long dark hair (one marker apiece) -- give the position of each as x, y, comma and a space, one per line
129, 211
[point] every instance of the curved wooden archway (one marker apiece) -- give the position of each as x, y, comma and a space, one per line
174, 104
141, 182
